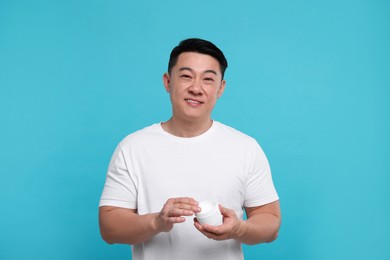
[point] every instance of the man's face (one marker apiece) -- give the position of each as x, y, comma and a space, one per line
195, 83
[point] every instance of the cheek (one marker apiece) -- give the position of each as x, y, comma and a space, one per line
175, 95
213, 93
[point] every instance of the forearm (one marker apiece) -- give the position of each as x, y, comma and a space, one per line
118, 225
260, 228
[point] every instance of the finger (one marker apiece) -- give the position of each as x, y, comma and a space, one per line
183, 203
185, 200
187, 203
180, 212
226, 211
176, 219
190, 207
216, 230
197, 225
211, 235
200, 228
208, 234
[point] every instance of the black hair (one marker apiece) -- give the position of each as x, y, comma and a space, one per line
199, 46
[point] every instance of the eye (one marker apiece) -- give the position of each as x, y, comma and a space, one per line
185, 76
209, 79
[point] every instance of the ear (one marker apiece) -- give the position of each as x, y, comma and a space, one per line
166, 80
221, 88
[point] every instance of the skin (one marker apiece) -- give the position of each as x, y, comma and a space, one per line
125, 226
194, 84
261, 226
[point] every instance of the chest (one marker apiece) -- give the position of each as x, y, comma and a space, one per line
191, 171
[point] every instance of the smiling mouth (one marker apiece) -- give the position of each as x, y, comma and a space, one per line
193, 101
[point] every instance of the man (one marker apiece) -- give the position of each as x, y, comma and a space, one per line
158, 175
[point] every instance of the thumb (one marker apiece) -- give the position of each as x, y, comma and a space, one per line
225, 211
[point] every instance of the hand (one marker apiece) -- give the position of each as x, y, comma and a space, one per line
173, 211
228, 230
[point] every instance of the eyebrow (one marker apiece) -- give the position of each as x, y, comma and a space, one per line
206, 71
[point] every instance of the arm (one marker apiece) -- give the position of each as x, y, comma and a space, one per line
262, 225
125, 226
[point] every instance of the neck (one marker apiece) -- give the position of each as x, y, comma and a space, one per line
186, 128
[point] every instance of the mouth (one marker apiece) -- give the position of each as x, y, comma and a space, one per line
193, 101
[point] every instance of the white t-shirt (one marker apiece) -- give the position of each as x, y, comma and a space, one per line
222, 165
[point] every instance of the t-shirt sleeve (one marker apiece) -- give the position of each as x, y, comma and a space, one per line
260, 189
120, 189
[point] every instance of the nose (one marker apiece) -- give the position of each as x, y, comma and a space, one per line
196, 88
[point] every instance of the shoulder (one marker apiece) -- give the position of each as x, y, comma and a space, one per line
232, 134
141, 136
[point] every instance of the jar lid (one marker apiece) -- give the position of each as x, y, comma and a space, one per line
207, 208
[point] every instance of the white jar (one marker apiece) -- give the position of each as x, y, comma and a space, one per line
209, 214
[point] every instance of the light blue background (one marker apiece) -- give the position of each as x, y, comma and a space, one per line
308, 79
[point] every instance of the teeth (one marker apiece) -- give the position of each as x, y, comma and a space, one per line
192, 101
